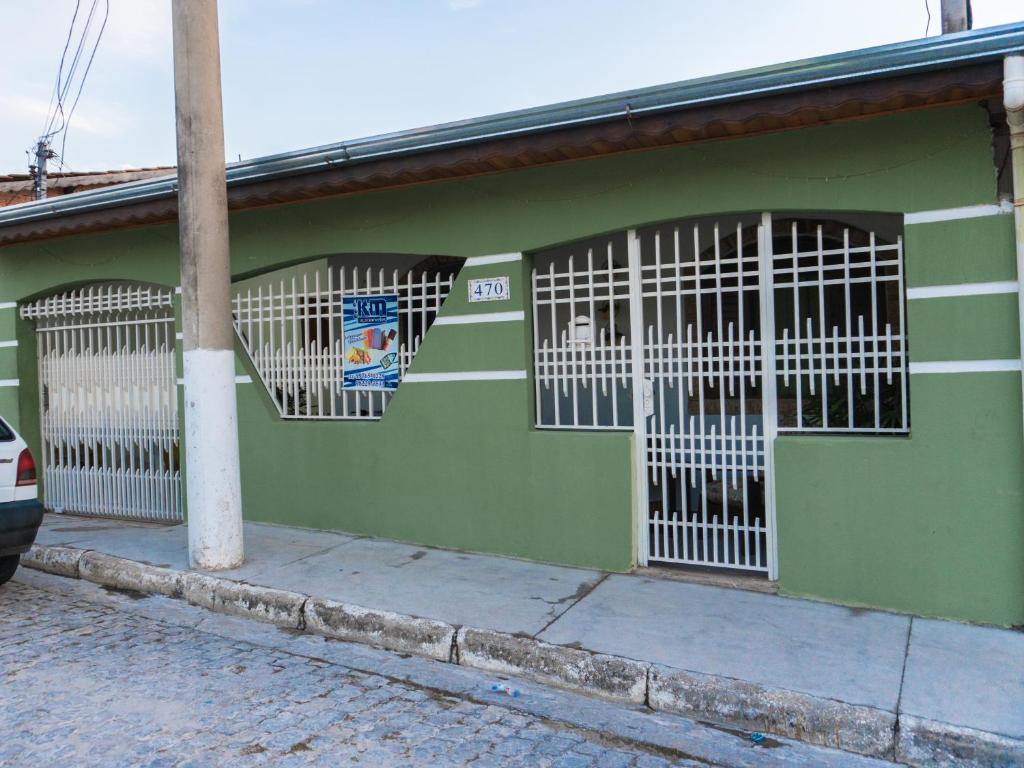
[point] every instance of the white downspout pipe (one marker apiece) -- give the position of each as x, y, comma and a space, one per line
1013, 102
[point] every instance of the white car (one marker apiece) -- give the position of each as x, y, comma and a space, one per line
20, 510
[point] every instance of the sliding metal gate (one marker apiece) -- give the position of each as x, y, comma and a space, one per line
748, 327
108, 401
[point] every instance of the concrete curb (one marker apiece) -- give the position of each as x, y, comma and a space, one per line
855, 728
272, 606
924, 742
827, 722
62, 561
394, 631
120, 573
609, 676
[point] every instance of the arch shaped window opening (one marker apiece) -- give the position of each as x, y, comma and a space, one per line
289, 321
713, 310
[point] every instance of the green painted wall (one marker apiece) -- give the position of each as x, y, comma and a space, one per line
936, 529
932, 524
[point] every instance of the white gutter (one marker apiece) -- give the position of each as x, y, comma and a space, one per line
1013, 101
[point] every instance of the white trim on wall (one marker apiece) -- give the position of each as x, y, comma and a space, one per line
965, 366
12, 343
962, 289
9, 382
241, 379
482, 317
8, 304
414, 378
498, 258
953, 214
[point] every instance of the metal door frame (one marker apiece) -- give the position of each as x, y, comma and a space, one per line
768, 395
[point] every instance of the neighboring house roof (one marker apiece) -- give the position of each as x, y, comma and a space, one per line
18, 188
956, 68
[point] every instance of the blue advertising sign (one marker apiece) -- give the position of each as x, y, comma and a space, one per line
371, 342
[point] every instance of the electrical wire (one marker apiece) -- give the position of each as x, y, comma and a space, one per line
64, 88
50, 111
928, 24
81, 82
59, 113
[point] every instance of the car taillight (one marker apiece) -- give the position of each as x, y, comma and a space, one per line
26, 468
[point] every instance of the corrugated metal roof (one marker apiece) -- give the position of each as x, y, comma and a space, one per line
837, 69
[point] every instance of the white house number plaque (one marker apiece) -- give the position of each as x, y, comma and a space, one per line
489, 289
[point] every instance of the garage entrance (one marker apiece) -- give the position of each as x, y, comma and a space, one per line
108, 401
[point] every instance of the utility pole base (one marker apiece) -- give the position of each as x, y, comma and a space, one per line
213, 490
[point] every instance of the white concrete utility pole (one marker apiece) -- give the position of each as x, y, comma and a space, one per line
211, 420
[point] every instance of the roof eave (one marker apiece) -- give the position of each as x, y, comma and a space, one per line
906, 58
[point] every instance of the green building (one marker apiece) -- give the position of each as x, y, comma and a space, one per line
765, 322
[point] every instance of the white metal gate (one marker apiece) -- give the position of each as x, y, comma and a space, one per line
708, 496
748, 327
109, 401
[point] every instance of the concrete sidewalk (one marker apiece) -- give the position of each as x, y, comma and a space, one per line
920, 691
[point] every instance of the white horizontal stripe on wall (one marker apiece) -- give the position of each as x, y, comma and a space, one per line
464, 376
498, 258
963, 289
8, 343
9, 382
965, 366
952, 214
482, 317
8, 304
238, 380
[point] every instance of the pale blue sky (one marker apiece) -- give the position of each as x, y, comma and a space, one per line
298, 73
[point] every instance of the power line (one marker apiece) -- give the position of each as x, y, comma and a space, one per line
64, 81
56, 86
81, 83
58, 113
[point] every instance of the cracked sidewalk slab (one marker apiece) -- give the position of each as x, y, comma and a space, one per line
814, 719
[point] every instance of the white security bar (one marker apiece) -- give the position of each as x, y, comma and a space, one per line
582, 357
292, 331
839, 329
109, 404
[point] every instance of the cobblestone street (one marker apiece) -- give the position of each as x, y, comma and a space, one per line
88, 683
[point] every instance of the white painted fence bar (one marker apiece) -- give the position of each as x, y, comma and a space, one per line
109, 401
840, 345
702, 354
292, 331
582, 357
